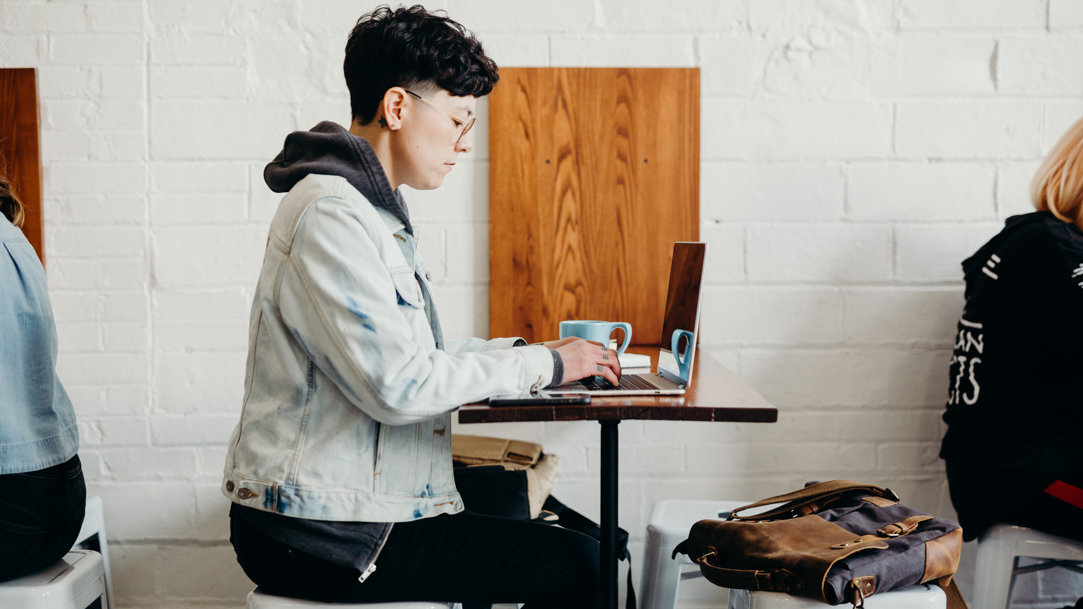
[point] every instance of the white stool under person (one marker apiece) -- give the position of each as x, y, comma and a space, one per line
261, 600
999, 549
76, 581
670, 521
92, 537
914, 597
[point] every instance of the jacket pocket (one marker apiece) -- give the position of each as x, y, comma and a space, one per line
409, 292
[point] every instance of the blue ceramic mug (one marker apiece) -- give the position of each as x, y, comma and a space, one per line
684, 358
597, 331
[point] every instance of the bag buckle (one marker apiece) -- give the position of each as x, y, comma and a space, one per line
883, 532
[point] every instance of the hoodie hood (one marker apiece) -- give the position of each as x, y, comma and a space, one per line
329, 149
1012, 226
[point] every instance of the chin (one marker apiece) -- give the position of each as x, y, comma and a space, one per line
433, 184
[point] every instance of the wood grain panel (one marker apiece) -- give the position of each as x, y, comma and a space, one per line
19, 145
594, 174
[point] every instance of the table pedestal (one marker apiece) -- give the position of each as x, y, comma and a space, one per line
608, 567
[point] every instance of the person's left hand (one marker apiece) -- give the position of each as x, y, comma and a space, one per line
583, 358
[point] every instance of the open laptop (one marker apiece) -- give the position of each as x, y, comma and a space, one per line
681, 315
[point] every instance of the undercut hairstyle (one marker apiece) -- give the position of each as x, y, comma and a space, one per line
10, 205
411, 47
1058, 184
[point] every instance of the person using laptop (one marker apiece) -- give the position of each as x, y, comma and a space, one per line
340, 469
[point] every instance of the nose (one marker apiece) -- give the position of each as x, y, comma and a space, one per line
465, 143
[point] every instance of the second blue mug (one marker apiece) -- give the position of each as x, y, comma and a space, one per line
683, 357
597, 331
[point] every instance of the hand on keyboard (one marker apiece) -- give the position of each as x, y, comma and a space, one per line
584, 359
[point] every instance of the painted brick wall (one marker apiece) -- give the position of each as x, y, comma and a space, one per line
853, 153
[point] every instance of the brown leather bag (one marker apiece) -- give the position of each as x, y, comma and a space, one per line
837, 541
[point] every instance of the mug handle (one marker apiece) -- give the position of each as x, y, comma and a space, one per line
627, 335
682, 358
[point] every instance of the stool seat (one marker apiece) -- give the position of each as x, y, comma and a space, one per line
914, 597
999, 549
73, 582
257, 599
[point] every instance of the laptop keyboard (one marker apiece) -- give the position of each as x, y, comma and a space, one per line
627, 381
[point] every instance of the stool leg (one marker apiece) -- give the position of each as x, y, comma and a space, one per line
661, 574
993, 574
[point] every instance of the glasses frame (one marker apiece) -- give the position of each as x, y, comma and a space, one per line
467, 123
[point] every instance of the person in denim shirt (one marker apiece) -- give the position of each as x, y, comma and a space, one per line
340, 468
42, 492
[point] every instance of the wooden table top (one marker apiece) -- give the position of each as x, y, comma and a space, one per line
716, 394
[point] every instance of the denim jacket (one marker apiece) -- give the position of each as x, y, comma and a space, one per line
37, 422
347, 403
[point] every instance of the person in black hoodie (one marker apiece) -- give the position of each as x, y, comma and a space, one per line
339, 471
1014, 446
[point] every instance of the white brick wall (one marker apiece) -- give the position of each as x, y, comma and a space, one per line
853, 153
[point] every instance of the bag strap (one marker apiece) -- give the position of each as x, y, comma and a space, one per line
810, 499
744, 579
955, 598
571, 519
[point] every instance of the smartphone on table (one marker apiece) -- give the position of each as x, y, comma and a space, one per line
549, 399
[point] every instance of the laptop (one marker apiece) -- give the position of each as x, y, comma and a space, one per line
680, 331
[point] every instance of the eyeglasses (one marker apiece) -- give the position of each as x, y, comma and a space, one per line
464, 124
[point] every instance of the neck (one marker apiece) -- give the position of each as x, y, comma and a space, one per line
380, 140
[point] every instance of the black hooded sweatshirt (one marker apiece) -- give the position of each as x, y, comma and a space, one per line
1015, 400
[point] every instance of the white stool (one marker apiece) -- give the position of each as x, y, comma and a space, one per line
670, 521
262, 600
92, 537
77, 581
914, 597
997, 561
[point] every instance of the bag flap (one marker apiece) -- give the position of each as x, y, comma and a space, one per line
482, 449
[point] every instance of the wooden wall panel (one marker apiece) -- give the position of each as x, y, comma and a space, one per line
19, 145
594, 174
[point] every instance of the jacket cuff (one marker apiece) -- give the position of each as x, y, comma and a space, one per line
502, 343
539, 366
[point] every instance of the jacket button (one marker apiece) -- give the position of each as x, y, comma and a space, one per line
229, 486
244, 493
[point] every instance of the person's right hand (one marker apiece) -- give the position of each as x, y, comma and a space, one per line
583, 358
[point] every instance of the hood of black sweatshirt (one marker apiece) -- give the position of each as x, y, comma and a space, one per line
329, 149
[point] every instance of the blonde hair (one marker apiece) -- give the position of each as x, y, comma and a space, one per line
1058, 185
10, 205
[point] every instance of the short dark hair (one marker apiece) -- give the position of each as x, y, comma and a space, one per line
10, 205
406, 47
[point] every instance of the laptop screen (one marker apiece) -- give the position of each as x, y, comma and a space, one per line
680, 326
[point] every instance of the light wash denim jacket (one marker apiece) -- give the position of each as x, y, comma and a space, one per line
37, 422
346, 412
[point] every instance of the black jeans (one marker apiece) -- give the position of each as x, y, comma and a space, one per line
40, 516
466, 557
985, 494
